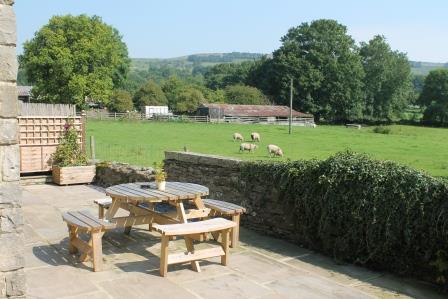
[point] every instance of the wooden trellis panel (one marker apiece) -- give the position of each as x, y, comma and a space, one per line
38, 138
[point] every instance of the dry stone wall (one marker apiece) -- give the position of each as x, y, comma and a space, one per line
12, 276
266, 211
114, 173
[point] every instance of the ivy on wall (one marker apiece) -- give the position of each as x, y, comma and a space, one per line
374, 213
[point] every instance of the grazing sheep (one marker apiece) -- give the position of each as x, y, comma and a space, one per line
274, 150
248, 147
237, 136
313, 125
255, 136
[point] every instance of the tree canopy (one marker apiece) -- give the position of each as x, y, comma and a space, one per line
435, 88
244, 95
434, 97
324, 63
387, 83
188, 100
150, 94
75, 58
121, 101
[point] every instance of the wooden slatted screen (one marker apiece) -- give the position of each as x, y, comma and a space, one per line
38, 138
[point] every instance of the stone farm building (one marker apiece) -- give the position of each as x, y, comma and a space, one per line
266, 113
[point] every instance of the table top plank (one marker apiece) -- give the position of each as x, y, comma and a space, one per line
137, 190
174, 191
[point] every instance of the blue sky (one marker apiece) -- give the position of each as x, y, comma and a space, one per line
169, 28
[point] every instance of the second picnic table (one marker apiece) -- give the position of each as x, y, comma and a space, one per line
131, 196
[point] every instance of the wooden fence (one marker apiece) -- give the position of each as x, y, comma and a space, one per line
104, 115
40, 128
40, 109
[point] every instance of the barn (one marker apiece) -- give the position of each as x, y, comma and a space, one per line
257, 113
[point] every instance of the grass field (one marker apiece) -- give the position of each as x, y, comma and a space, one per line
142, 143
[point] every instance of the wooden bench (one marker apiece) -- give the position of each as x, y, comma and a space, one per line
188, 230
103, 204
226, 209
84, 222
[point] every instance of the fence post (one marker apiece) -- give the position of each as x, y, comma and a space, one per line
115, 115
92, 148
83, 131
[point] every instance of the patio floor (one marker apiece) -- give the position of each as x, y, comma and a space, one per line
261, 267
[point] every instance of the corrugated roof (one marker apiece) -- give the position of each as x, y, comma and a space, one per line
255, 110
24, 91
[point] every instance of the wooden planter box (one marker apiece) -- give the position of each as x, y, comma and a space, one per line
73, 174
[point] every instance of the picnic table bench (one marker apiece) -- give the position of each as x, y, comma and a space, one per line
84, 222
187, 230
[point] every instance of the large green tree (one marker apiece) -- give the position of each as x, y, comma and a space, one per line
188, 100
244, 95
150, 94
121, 101
73, 59
222, 75
324, 63
434, 97
387, 83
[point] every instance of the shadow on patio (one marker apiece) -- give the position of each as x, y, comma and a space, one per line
262, 267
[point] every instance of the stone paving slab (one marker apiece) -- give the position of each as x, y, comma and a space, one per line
262, 267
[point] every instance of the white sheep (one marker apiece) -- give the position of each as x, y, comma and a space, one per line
255, 136
248, 147
237, 136
274, 150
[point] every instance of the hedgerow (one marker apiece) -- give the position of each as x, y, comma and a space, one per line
374, 213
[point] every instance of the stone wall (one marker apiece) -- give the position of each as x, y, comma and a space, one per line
113, 173
266, 211
12, 276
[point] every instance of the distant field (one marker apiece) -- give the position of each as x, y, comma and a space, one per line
142, 143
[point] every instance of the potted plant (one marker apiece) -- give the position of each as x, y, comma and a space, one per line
69, 163
160, 176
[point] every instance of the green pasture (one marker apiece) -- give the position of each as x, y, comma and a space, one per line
143, 143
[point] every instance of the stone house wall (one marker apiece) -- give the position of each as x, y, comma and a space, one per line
12, 276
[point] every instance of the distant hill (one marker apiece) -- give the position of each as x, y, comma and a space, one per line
209, 59
195, 60
423, 68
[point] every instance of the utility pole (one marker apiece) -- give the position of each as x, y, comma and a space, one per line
290, 109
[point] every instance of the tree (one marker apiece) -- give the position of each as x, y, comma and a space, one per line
244, 95
171, 87
326, 68
387, 82
188, 100
121, 101
75, 58
434, 97
222, 75
150, 94
435, 88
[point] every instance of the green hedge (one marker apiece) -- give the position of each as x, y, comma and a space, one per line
373, 213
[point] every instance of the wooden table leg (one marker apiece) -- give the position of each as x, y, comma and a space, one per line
190, 248
164, 256
183, 219
235, 232
113, 208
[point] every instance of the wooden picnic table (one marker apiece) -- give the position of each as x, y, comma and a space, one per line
132, 197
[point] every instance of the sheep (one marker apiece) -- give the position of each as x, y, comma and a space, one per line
248, 147
255, 136
275, 150
237, 136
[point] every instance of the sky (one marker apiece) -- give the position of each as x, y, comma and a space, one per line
172, 28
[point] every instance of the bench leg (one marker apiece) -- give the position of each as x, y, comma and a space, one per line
164, 256
225, 246
97, 251
235, 234
190, 248
73, 234
100, 212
